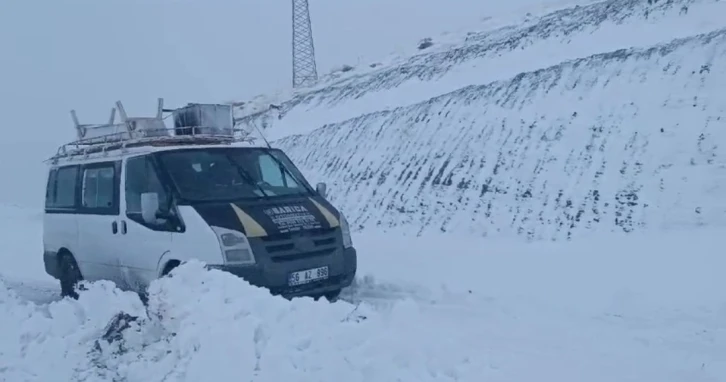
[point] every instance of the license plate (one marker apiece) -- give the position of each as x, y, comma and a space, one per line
308, 276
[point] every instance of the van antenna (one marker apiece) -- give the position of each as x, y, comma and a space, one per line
261, 135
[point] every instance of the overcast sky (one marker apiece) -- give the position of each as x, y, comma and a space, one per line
85, 54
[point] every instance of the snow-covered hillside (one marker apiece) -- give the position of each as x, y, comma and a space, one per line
563, 126
495, 54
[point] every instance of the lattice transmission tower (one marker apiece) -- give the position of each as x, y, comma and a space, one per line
304, 70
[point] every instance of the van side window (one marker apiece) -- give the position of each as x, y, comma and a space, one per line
141, 177
271, 173
98, 187
50, 188
61, 192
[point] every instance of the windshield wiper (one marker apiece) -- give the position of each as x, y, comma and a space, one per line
246, 175
284, 168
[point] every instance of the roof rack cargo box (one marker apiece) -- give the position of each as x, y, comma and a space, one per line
194, 124
196, 118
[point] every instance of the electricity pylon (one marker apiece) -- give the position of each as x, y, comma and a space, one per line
304, 70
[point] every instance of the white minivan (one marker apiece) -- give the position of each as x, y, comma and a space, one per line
128, 202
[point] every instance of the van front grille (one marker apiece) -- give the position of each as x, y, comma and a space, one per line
319, 232
293, 246
302, 255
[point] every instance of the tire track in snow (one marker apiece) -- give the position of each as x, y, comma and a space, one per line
37, 292
367, 289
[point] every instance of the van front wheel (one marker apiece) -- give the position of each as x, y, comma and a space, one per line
70, 275
333, 295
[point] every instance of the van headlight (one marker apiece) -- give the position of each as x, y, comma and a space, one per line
232, 239
234, 246
345, 229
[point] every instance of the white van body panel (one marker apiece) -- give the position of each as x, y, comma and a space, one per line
97, 247
198, 242
146, 252
60, 231
140, 247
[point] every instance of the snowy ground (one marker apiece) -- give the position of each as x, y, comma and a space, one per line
603, 307
606, 308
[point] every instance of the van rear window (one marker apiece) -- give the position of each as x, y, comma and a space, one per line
61, 192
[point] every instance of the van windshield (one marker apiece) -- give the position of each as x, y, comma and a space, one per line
226, 174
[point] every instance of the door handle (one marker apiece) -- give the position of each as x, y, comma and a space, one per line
123, 227
114, 227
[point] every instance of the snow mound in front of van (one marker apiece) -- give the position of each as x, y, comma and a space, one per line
202, 324
210, 323
50, 342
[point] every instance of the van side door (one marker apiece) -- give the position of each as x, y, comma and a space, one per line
145, 242
60, 221
97, 217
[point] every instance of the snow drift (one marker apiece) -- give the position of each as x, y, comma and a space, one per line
570, 311
207, 324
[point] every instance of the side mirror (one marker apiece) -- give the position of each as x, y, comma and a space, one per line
322, 189
149, 206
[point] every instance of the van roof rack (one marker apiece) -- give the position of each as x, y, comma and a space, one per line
194, 124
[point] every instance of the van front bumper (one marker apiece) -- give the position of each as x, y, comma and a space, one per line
275, 275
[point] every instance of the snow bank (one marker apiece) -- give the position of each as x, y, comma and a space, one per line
205, 325
444, 307
208, 324
600, 309
212, 322
51, 342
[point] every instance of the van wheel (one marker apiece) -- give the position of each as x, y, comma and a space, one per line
333, 295
170, 267
70, 275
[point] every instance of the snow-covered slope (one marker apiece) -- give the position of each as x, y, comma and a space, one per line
612, 141
490, 55
616, 140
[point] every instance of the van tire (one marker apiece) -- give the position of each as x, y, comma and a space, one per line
170, 267
333, 296
70, 275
